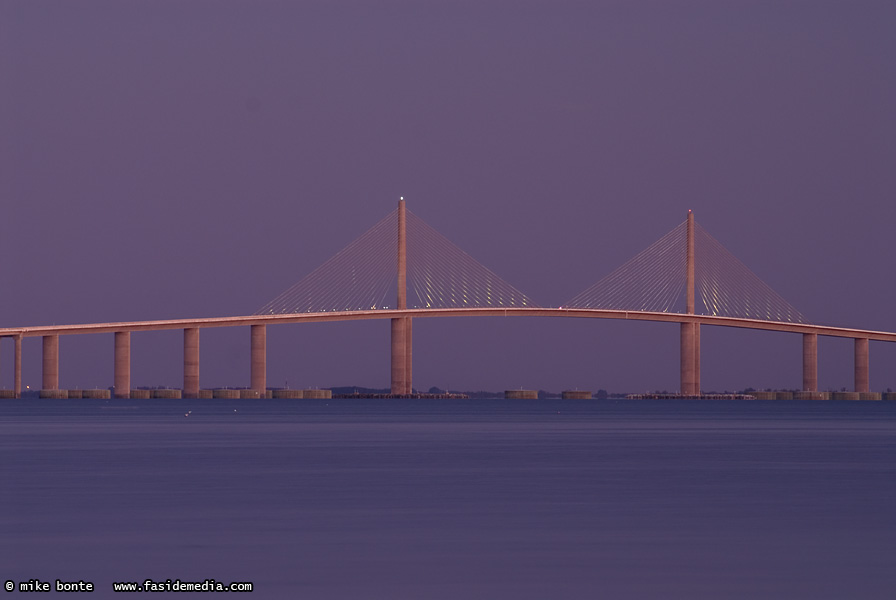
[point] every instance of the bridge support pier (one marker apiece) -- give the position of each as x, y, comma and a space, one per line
191, 362
697, 388
690, 359
690, 332
17, 365
862, 366
402, 330
408, 356
258, 361
400, 358
810, 362
50, 363
122, 376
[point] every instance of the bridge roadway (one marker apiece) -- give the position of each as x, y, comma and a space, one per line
360, 315
401, 360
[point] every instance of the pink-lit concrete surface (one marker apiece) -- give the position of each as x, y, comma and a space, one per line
191, 362
420, 313
258, 360
122, 371
862, 366
400, 318
401, 381
50, 377
810, 362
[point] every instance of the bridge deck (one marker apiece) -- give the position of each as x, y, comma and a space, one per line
360, 315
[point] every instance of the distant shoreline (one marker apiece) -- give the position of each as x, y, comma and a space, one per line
434, 394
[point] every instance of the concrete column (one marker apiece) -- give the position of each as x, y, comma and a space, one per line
690, 332
122, 375
697, 358
408, 355
399, 358
688, 355
258, 366
402, 257
691, 261
401, 327
863, 383
18, 367
191, 362
50, 380
810, 362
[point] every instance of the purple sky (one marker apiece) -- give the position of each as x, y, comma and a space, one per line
184, 159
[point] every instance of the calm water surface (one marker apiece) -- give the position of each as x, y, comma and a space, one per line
483, 499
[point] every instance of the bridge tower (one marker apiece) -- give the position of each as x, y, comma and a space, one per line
401, 327
690, 332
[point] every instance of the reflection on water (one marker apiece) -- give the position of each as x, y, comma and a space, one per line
455, 499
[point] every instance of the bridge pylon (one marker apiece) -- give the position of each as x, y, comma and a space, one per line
690, 332
402, 329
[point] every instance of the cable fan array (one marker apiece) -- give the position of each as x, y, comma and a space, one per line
654, 281
362, 276
727, 287
358, 277
441, 275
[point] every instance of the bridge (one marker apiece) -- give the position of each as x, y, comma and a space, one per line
664, 283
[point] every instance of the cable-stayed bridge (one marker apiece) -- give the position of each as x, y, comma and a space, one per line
402, 269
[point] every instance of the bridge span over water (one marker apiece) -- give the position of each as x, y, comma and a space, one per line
645, 278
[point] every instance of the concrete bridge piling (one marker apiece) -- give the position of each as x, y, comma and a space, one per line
690, 332
50, 360
258, 359
401, 329
862, 368
122, 370
17, 384
191, 362
810, 362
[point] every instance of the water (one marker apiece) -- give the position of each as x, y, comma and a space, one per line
482, 499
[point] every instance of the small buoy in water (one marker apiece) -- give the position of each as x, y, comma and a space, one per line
186, 414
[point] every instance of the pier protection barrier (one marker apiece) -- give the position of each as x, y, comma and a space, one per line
75, 394
317, 394
845, 396
97, 394
226, 394
870, 396
290, 394
576, 395
521, 394
54, 394
7, 394
811, 396
889, 396
250, 395
204, 394
141, 394
167, 394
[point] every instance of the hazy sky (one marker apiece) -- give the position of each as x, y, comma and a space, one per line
177, 159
